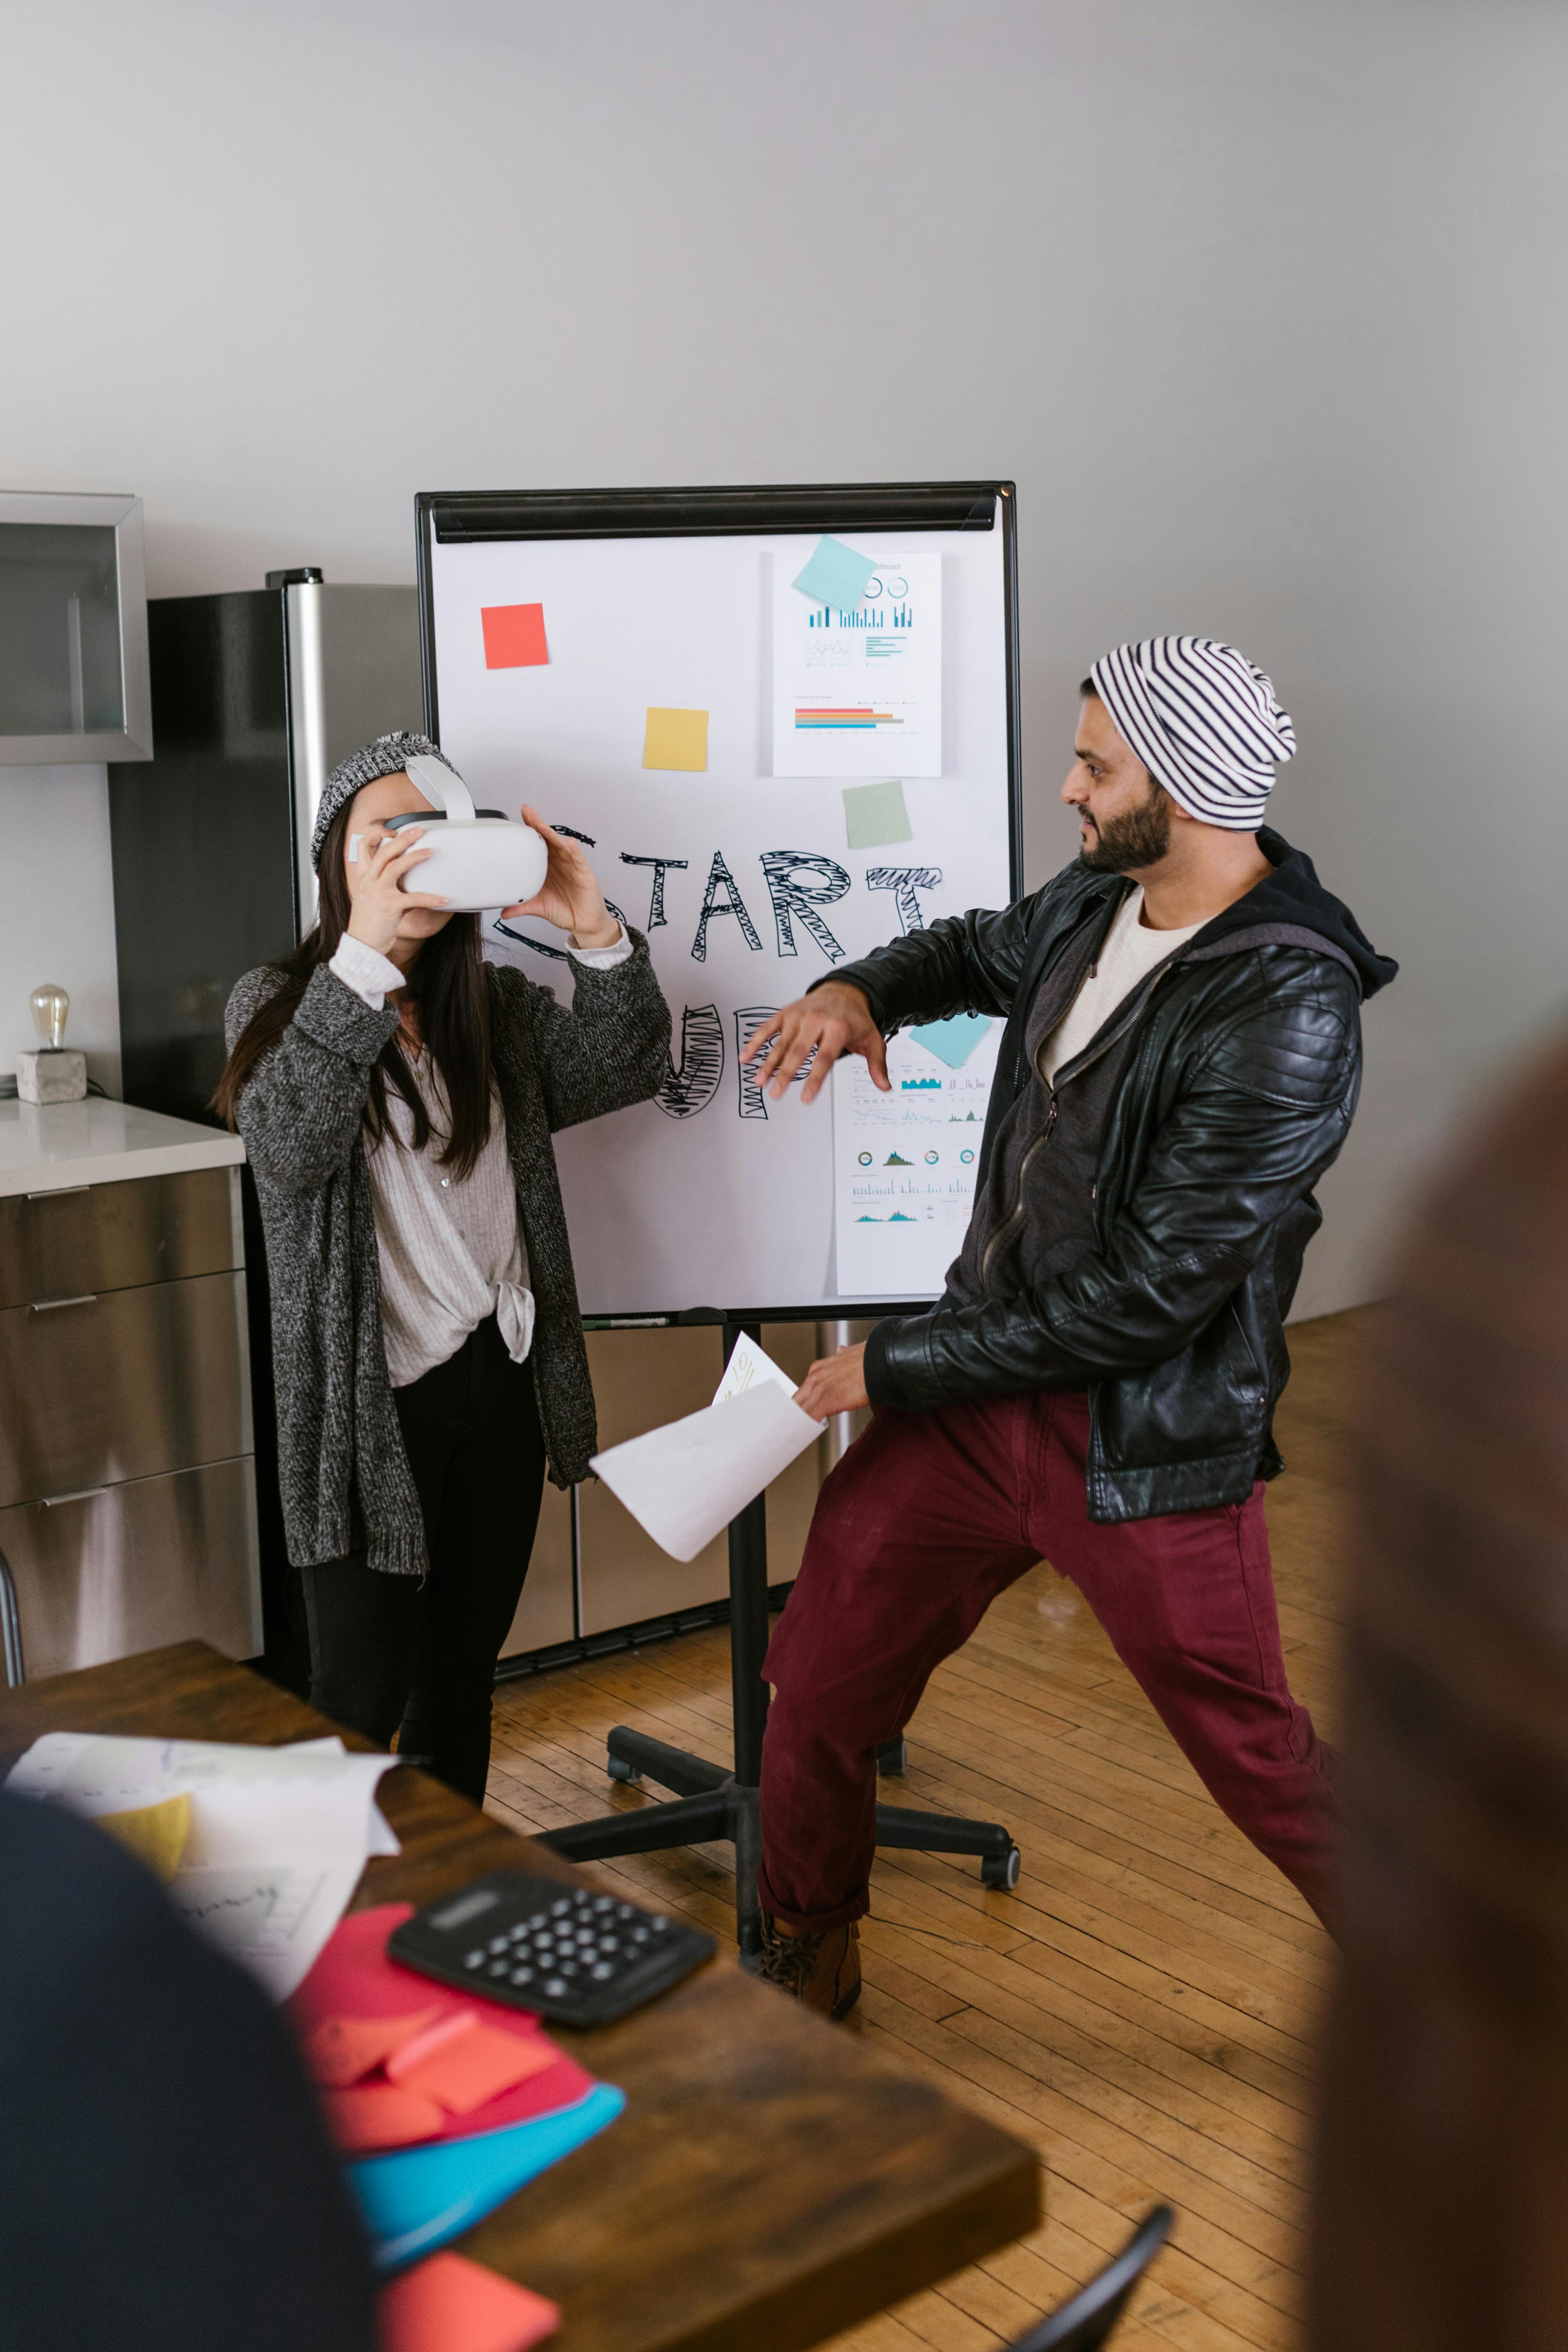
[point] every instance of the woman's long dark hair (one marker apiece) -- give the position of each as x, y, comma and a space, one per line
446, 981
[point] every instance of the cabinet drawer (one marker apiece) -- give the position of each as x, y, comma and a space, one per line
117, 1237
124, 1386
157, 1560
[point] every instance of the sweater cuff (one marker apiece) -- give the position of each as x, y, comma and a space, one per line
372, 976
600, 958
333, 1015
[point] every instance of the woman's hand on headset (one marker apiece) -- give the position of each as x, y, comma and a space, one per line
570, 896
377, 905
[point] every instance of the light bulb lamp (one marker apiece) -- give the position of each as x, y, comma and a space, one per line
55, 1073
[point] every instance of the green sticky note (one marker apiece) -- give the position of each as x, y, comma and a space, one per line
875, 815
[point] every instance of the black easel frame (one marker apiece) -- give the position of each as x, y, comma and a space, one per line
709, 1803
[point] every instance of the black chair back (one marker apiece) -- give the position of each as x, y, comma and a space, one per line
1085, 2323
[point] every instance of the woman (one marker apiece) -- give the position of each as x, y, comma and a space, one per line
396, 1096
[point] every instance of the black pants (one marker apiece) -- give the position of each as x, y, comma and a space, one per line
395, 1652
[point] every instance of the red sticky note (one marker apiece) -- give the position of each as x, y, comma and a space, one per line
341, 2049
514, 635
375, 2114
462, 2062
448, 2300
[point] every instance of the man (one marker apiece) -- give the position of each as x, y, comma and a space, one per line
1097, 1386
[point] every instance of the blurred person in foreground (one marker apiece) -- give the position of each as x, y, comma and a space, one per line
165, 2180
1442, 2172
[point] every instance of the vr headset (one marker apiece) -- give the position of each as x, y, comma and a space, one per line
479, 859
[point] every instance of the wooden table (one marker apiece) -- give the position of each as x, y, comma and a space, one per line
772, 2179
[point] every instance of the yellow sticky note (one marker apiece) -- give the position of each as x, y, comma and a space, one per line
676, 739
155, 1835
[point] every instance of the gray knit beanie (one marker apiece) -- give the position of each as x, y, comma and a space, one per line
385, 757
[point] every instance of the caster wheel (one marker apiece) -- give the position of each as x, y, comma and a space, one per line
1003, 1871
893, 1759
618, 1769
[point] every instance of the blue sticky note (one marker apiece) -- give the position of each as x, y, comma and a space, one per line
837, 575
953, 1041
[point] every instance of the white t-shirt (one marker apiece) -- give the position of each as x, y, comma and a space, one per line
1129, 953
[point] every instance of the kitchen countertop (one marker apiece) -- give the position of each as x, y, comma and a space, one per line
47, 1147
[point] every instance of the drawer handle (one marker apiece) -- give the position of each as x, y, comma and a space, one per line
58, 1190
47, 1306
77, 1495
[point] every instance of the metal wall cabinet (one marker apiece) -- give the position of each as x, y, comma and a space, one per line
127, 1484
73, 630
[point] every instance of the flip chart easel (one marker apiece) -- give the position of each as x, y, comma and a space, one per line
641, 666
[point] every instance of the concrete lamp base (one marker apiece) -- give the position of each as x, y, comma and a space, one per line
55, 1074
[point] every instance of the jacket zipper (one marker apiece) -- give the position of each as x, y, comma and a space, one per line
1015, 1214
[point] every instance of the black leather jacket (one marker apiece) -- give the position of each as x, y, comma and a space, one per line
1237, 1094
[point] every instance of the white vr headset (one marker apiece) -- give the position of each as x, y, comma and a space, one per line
477, 858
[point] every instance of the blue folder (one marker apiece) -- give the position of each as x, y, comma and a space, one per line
414, 2200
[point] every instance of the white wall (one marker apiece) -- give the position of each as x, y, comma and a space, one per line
56, 911
1260, 300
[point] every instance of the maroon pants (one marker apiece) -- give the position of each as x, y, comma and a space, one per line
929, 1517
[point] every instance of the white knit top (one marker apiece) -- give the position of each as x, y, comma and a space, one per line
450, 1248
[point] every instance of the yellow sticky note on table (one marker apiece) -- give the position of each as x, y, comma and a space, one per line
676, 739
155, 1835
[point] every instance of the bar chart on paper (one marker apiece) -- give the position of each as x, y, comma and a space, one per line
905, 1163
856, 685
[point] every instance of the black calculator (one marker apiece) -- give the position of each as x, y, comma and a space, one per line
564, 1952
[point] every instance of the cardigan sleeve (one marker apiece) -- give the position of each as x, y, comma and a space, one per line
605, 1050
301, 1107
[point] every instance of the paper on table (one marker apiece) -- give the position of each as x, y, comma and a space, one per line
746, 1367
448, 2300
277, 1838
686, 1481
384, 1838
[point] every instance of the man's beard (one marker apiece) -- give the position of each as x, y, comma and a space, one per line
1140, 838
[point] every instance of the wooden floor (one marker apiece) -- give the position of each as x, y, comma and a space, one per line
1142, 2009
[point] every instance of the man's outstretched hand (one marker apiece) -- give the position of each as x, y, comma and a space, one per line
834, 1385
832, 1020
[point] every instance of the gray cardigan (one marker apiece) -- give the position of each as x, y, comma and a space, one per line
344, 1473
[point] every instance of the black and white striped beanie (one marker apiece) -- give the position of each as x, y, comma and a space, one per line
1203, 721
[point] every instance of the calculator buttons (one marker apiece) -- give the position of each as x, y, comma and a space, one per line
554, 1990
523, 1976
476, 1959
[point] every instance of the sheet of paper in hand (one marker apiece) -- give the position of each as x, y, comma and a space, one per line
685, 1481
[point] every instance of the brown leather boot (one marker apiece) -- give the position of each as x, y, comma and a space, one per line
822, 1972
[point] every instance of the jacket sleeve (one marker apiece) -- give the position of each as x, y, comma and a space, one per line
605, 1050
302, 1105
1264, 1112
964, 963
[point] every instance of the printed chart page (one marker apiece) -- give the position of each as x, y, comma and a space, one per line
904, 1163
858, 687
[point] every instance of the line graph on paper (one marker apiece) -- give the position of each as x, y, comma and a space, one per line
245, 1910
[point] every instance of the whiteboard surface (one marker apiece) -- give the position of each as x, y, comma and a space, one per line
723, 1206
